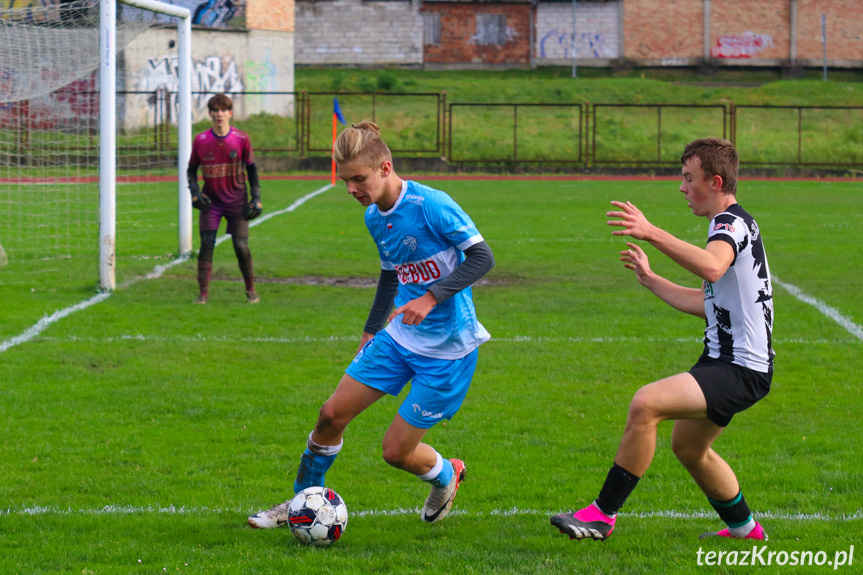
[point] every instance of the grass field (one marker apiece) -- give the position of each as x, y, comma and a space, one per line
141, 431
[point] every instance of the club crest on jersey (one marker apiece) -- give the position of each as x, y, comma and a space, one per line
410, 242
753, 230
233, 154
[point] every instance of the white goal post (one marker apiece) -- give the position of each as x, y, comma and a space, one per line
108, 129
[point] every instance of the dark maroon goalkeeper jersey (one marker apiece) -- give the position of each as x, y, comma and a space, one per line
223, 161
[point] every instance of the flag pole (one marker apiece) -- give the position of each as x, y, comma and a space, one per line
333, 177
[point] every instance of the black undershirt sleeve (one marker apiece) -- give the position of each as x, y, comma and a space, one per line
478, 261
192, 178
254, 182
388, 285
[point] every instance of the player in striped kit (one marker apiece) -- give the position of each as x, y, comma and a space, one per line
225, 155
736, 366
431, 253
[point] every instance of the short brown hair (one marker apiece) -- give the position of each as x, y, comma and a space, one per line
361, 142
220, 102
718, 158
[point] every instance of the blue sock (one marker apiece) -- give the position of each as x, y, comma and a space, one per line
440, 474
312, 469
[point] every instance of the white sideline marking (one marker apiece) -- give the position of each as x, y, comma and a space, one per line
43, 323
341, 338
827, 310
511, 512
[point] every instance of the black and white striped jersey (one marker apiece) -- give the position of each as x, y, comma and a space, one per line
739, 306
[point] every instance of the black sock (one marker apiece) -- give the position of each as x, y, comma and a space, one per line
735, 512
619, 483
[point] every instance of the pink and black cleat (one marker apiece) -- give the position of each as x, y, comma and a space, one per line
588, 523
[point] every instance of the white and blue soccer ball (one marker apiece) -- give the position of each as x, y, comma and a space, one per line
317, 516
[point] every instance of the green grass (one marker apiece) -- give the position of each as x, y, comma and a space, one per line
140, 432
624, 136
410, 104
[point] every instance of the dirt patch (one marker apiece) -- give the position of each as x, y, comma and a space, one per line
340, 281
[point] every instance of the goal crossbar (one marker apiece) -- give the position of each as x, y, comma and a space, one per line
108, 129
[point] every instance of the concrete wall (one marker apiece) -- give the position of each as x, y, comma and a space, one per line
597, 34
354, 32
229, 61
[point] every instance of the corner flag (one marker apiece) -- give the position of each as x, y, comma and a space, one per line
337, 111
337, 117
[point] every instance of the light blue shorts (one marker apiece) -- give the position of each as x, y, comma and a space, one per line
438, 386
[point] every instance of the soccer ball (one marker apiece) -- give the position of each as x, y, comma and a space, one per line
317, 516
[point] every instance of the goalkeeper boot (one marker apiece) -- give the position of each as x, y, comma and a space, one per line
440, 499
588, 523
272, 517
201, 299
252, 297
758, 534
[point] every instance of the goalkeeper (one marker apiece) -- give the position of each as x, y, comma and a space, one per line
223, 152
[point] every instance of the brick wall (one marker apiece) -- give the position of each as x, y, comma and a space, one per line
270, 15
844, 30
659, 30
459, 30
753, 32
655, 32
750, 30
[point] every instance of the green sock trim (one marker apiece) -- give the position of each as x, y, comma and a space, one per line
730, 503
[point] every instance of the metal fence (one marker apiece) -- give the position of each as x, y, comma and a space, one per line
650, 134
799, 135
516, 133
299, 124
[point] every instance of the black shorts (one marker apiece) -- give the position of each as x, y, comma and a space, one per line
729, 388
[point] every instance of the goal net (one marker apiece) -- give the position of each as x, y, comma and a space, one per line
51, 105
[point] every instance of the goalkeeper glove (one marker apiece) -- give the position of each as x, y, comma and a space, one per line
255, 209
200, 200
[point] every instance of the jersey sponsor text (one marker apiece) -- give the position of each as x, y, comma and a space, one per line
418, 272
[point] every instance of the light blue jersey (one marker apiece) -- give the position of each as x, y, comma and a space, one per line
423, 237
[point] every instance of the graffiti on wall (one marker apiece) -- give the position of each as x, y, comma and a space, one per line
557, 44
210, 76
743, 45
75, 106
261, 77
211, 13
491, 36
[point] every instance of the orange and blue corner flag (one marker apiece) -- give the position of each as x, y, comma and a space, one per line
337, 111
337, 116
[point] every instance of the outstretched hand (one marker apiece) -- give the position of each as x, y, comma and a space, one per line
635, 259
631, 219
